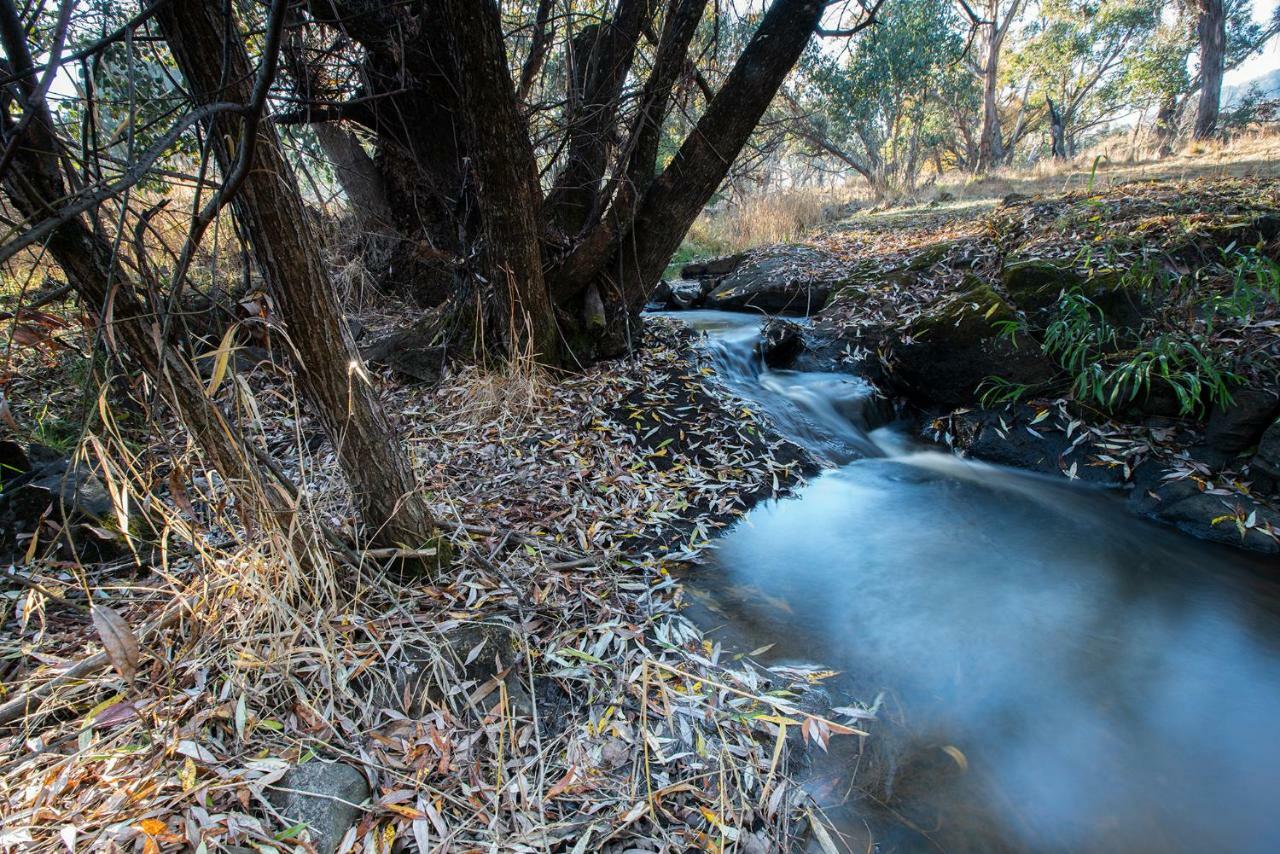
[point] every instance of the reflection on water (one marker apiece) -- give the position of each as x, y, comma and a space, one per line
1111, 685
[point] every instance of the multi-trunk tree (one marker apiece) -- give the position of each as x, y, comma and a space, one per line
531, 207
520, 171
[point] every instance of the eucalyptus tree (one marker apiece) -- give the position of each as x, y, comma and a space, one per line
1164, 72
869, 107
1074, 55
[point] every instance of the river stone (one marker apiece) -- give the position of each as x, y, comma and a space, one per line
781, 280
1268, 456
950, 351
325, 796
64, 487
712, 268
1241, 425
1194, 515
781, 341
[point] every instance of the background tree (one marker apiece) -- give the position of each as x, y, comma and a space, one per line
991, 20
1074, 56
868, 107
1211, 28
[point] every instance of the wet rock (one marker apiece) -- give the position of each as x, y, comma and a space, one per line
781, 341
1213, 518
325, 796
661, 293
687, 294
949, 352
712, 268
1241, 425
783, 280
1267, 458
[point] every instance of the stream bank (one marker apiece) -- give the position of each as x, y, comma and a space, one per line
1129, 337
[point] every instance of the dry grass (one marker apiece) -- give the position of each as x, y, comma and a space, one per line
793, 215
785, 216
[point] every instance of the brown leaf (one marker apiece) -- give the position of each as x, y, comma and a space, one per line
118, 640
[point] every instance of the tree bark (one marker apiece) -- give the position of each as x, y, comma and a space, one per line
506, 194
1212, 30
210, 52
357, 175
679, 194
1057, 131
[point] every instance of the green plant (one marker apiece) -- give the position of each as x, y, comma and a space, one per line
998, 391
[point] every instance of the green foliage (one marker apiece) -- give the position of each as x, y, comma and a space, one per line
882, 102
1075, 53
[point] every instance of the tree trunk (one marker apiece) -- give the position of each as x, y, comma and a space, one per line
506, 194
991, 144
357, 175
1212, 30
679, 194
209, 50
1166, 125
36, 185
1057, 131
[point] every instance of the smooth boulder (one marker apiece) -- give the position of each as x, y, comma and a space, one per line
783, 280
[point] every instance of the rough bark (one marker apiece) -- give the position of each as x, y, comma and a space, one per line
1211, 28
600, 59
357, 174
210, 52
1057, 131
504, 184
677, 196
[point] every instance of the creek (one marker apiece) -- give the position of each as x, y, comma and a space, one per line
1053, 673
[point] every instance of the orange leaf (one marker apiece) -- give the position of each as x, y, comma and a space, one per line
152, 826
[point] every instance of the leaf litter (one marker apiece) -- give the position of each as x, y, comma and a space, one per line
606, 722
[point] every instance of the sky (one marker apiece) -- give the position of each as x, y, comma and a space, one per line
1268, 59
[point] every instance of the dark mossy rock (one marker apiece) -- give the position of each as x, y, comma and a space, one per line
1248, 230
1035, 285
781, 280
781, 341
1267, 458
930, 255
1241, 424
712, 268
949, 352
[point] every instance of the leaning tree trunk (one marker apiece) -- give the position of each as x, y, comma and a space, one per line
1212, 30
210, 52
35, 184
676, 197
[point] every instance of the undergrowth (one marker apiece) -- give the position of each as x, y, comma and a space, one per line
1185, 346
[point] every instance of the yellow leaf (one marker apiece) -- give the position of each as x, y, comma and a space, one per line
955, 753
221, 356
187, 776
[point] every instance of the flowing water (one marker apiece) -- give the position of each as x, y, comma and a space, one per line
1055, 674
